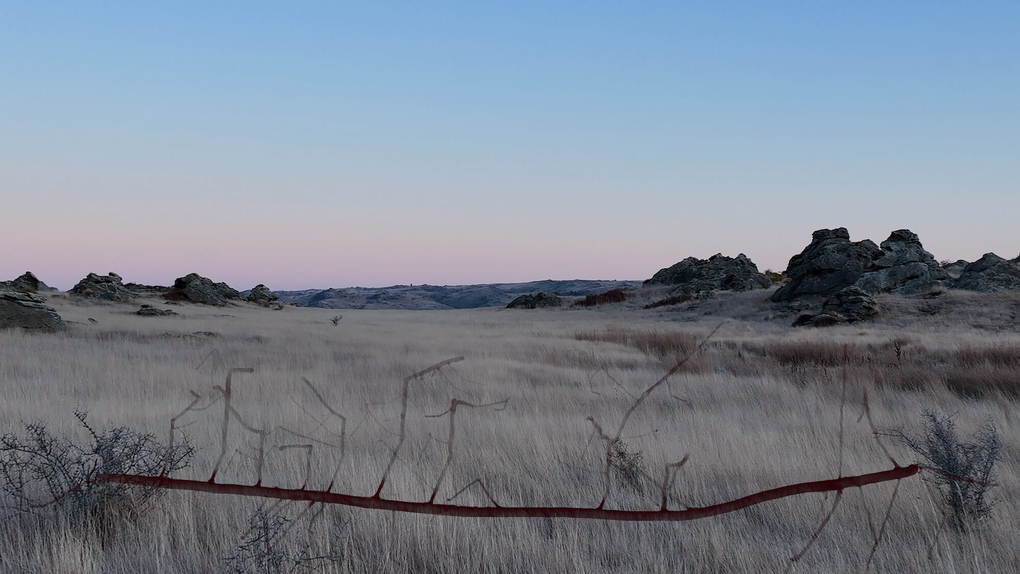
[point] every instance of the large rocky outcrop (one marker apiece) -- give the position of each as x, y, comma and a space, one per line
829, 263
27, 283
27, 310
536, 301
106, 287
832, 262
261, 295
197, 289
903, 267
717, 273
991, 274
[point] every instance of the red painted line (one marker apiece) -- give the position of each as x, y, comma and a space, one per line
375, 503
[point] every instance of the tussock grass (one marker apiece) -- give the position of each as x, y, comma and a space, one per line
756, 410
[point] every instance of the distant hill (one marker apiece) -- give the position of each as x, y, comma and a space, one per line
429, 297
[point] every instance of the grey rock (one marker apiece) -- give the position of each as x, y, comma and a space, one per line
197, 289
853, 304
990, 274
27, 310
536, 301
150, 311
829, 263
27, 283
717, 273
106, 287
902, 267
261, 295
955, 268
820, 320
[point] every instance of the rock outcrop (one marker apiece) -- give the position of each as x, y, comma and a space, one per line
829, 263
848, 305
903, 267
27, 310
106, 287
27, 283
717, 273
832, 262
536, 301
955, 268
150, 311
197, 289
261, 295
990, 274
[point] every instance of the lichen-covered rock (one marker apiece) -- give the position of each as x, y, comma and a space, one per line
991, 274
150, 311
27, 310
197, 289
829, 263
27, 283
106, 287
852, 304
261, 295
903, 267
535, 301
717, 273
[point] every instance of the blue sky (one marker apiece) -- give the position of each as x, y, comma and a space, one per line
334, 144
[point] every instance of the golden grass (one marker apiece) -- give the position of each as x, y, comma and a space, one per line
754, 411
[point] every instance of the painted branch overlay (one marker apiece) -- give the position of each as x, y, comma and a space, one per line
377, 503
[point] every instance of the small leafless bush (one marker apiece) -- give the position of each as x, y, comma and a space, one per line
962, 472
671, 300
611, 296
264, 549
659, 344
41, 473
627, 465
336, 320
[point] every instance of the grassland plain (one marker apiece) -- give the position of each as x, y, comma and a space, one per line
758, 408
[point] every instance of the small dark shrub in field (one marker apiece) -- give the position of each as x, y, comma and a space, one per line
962, 472
40, 473
627, 465
672, 300
660, 344
611, 296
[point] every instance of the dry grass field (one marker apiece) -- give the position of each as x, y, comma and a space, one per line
758, 408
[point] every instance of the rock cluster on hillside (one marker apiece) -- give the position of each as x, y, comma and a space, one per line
197, 289
903, 267
848, 305
831, 263
991, 274
27, 310
108, 287
536, 301
150, 311
261, 295
26, 283
717, 273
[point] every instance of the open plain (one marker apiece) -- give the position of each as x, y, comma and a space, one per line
759, 406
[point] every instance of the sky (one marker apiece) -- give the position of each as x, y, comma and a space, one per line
331, 144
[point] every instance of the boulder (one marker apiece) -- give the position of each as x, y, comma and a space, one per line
536, 301
829, 263
197, 289
903, 266
106, 287
853, 304
27, 310
261, 295
150, 311
955, 268
991, 274
848, 305
27, 283
717, 273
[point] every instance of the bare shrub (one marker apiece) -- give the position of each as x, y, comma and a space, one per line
336, 320
263, 548
627, 465
659, 344
962, 472
611, 296
671, 300
41, 473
